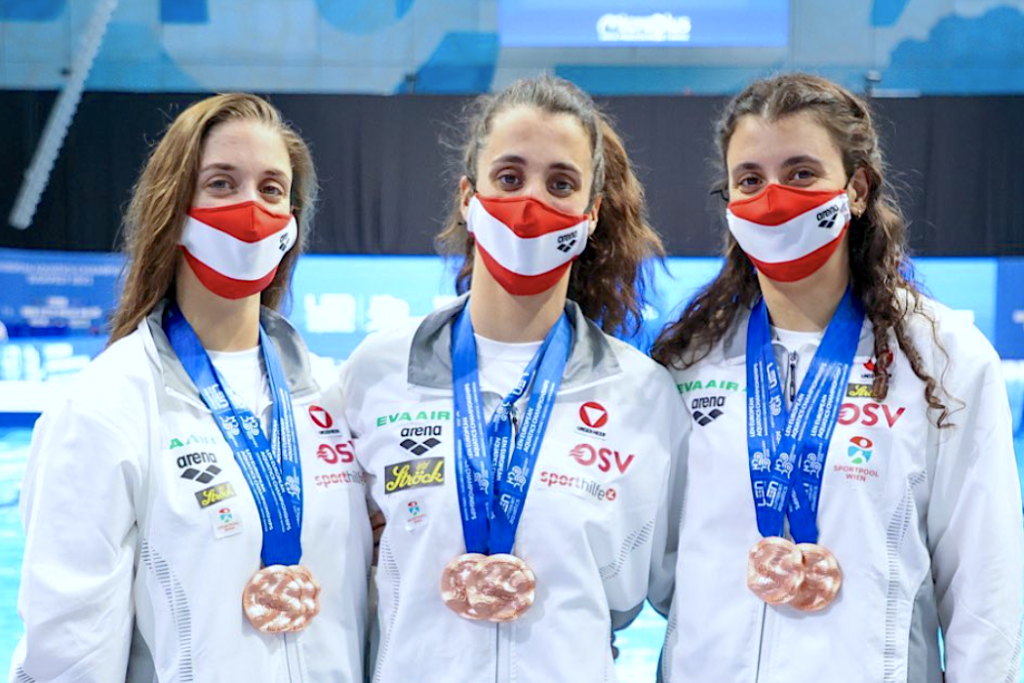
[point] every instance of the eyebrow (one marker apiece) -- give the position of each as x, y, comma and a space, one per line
515, 159
792, 161
277, 173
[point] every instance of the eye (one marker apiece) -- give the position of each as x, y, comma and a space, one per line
803, 175
508, 180
749, 184
272, 190
220, 183
561, 186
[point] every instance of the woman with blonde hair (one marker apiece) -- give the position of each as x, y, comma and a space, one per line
192, 506
520, 454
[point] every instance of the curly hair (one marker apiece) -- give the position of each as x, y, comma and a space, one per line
882, 276
610, 278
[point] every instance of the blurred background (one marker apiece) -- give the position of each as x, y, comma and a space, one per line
86, 87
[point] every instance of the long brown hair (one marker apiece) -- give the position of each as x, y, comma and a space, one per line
882, 273
162, 196
610, 278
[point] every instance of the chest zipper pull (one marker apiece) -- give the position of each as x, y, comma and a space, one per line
793, 357
514, 414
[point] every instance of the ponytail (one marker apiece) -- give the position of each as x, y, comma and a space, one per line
610, 278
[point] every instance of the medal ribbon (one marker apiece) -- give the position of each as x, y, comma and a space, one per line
492, 482
271, 467
788, 449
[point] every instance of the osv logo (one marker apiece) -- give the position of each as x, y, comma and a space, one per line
869, 414
603, 458
333, 454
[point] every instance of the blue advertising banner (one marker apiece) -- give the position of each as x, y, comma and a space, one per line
57, 303
48, 293
1009, 309
643, 23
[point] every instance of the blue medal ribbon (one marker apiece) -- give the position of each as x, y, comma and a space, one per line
493, 465
271, 467
788, 448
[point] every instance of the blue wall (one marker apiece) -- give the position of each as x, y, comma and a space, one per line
384, 46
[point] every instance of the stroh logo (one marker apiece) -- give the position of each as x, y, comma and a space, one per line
593, 415
869, 414
320, 417
588, 456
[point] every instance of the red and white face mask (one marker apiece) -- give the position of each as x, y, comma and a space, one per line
235, 250
525, 244
787, 232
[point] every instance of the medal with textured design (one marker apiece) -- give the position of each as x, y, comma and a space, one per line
280, 599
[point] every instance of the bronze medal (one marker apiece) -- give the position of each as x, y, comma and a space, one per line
280, 599
775, 570
822, 578
497, 588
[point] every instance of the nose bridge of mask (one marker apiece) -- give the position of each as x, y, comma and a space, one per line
777, 204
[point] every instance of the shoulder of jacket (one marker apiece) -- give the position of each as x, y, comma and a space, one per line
693, 366
116, 387
382, 353
942, 333
637, 367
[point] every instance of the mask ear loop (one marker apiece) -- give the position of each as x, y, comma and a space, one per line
847, 187
472, 186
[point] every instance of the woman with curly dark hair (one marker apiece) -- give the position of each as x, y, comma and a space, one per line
847, 485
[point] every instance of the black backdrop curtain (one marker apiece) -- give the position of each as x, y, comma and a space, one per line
387, 179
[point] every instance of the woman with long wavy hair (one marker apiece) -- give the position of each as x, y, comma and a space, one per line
519, 453
848, 481
192, 506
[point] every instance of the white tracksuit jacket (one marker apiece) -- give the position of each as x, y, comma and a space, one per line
142, 531
925, 522
595, 510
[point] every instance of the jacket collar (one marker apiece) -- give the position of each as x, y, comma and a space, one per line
734, 343
591, 358
290, 347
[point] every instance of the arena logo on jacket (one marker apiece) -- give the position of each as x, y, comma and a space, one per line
196, 460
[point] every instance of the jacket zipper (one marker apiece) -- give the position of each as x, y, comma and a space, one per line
291, 661
793, 357
500, 667
497, 653
760, 642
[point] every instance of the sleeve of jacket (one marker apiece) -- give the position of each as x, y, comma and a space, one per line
666, 547
975, 526
78, 509
659, 390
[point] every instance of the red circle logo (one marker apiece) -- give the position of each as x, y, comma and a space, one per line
593, 415
320, 417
